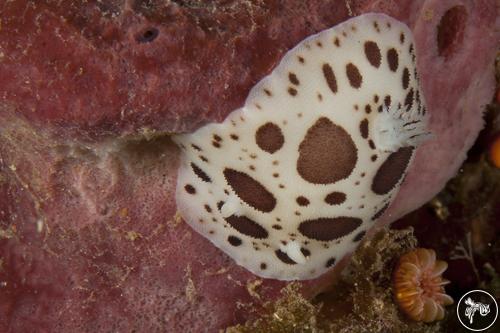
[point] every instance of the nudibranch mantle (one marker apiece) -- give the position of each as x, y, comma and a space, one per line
289, 183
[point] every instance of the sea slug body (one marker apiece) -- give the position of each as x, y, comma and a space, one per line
289, 183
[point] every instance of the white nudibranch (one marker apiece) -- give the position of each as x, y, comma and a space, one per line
289, 183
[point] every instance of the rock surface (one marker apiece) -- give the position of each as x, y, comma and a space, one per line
89, 236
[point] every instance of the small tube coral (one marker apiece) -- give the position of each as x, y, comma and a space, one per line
419, 286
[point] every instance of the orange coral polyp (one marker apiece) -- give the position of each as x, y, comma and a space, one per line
419, 286
495, 152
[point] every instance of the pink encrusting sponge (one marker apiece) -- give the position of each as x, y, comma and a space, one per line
290, 183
